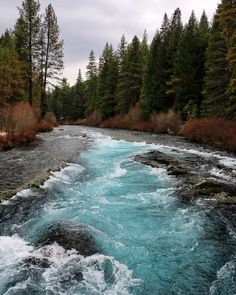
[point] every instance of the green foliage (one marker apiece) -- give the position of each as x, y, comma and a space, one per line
11, 80
130, 77
91, 85
220, 81
51, 56
27, 32
189, 65
107, 80
156, 92
216, 79
78, 99
190, 69
60, 101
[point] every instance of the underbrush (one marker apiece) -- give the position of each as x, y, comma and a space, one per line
217, 132
19, 125
160, 123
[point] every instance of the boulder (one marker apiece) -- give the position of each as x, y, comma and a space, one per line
69, 235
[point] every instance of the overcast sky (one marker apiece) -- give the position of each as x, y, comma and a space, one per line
89, 24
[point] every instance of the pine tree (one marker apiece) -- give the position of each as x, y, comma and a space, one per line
176, 29
27, 32
216, 79
188, 68
51, 53
91, 85
122, 50
151, 82
108, 75
77, 110
130, 77
227, 20
145, 49
11, 81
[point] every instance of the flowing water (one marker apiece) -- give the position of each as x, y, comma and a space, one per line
150, 242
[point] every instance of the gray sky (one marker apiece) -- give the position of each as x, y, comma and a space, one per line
89, 24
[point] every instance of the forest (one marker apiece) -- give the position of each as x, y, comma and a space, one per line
184, 81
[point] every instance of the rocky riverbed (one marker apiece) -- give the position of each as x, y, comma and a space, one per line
204, 174
31, 165
107, 219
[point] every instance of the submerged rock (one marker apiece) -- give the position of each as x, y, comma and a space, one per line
69, 235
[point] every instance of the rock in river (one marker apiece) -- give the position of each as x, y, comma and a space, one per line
69, 235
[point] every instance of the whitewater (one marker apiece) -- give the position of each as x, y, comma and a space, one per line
149, 242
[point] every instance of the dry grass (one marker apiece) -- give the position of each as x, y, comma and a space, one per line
217, 132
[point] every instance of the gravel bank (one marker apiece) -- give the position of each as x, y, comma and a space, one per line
31, 165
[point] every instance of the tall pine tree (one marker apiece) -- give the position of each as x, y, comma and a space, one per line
130, 79
11, 74
27, 32
91, 85
51, 53
108, 75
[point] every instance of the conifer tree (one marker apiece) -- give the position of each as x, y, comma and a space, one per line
145, 49
130, 79
91, 85
78, 99
227, 20
51, 53
216, 78
11, 81
188, 68
122, 50
151, 82
176, 29
27, 31
108, 75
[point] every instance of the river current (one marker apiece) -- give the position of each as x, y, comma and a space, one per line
150, 242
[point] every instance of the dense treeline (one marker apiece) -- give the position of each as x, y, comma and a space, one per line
189, 69
31, 57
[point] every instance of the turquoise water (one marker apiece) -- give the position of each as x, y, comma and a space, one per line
150, 242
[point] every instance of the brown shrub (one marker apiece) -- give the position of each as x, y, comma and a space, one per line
120, 122
142, 126
166, 122
94, 119
24, 137
135, 115
42, 127
16, 118
213, 131
22, 117
51, 119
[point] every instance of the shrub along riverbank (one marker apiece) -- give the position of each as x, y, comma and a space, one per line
213, 131
19, 125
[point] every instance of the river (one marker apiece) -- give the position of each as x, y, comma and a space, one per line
149, 241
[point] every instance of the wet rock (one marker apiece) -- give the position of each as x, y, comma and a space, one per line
37, 262
193, 183
157, 159
208, 188
70, 235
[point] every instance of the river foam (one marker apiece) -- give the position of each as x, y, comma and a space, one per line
150, 242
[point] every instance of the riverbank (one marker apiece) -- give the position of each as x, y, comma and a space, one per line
30, 165
200, 163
